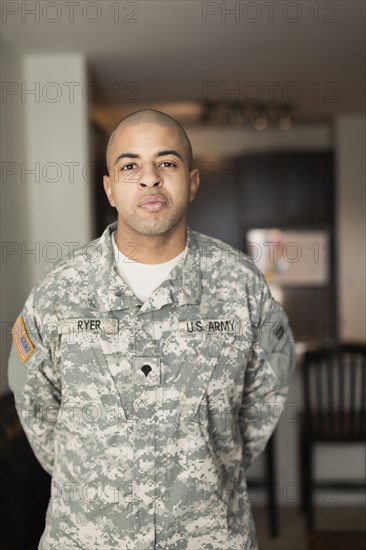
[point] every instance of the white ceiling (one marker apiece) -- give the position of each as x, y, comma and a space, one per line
169, 52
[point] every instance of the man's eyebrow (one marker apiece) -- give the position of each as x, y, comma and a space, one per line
158, 154
126, 155
169, 152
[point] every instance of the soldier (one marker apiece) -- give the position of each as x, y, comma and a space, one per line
151, 367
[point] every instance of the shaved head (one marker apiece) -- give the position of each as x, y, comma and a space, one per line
151, 116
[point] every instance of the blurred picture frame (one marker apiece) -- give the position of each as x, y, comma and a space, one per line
291, 257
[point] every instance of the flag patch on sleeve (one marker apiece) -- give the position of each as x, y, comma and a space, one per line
21, 340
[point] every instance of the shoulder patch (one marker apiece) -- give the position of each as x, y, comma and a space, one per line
21, 340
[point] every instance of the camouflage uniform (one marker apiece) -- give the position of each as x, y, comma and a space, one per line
148, 414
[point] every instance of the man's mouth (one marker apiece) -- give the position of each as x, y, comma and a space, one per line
153, 203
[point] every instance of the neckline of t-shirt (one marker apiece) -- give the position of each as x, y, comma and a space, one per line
129, 263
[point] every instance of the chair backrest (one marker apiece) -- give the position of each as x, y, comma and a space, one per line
334, 383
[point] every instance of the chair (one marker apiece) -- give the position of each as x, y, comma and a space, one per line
334, 385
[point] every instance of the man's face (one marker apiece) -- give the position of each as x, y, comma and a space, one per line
149, 182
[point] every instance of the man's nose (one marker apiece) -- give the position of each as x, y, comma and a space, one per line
150, 177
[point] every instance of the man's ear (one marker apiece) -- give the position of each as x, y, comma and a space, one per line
194, 177
108, 190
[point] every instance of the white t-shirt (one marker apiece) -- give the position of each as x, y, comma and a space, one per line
143, 279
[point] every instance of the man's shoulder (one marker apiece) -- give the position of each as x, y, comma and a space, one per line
71, 272
217, 253
79, 260
228, 270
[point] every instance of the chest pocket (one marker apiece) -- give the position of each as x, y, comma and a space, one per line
204, 378
86, 374
189, 362
93, 426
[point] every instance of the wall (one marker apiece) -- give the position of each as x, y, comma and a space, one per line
15, 218
47, 198
350, 139
57, 149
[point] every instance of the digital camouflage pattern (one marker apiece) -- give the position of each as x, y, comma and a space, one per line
147, 415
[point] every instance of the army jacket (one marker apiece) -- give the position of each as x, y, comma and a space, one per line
147, 415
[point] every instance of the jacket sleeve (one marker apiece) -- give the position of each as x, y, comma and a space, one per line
34, 379
268, 374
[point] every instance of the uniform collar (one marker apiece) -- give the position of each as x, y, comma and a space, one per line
107, 291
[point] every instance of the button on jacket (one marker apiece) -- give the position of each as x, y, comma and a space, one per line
147, 415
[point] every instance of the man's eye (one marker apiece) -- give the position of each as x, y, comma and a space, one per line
167, 164
128, 166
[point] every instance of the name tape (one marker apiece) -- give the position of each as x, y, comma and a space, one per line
105, 324
210, 325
